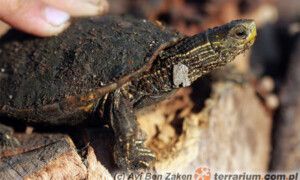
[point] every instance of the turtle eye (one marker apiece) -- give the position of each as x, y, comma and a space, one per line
239, 33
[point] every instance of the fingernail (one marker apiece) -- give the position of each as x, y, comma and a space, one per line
56, 17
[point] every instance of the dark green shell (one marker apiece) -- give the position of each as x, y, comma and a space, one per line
91, 53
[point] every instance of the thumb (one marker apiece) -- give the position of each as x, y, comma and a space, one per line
33, 16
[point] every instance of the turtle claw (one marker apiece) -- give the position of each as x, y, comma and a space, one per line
133, 158
7, 140
143, 155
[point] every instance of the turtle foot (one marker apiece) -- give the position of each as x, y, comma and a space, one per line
7, 140
133, 157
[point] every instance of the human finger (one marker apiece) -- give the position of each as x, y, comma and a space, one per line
80, 7
33, 16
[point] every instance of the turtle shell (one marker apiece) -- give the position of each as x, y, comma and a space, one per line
62, 77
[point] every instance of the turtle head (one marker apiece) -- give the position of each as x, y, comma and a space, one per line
195, 56
232, 39
216, 47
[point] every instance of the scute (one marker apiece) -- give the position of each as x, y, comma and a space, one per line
92, 53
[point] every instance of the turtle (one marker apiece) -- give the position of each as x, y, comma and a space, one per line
105, 69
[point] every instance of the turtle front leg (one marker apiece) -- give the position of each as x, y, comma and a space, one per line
129, 151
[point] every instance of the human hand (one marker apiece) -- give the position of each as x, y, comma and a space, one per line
47, 17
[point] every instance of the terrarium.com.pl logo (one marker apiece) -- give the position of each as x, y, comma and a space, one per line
205, 174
